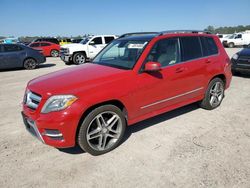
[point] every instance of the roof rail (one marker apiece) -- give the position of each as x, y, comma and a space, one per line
137, 33
184, 31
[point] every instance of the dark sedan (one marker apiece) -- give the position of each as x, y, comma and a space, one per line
241, 61
18, 55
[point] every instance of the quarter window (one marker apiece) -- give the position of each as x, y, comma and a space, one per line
166, 52
208, 46
191, 48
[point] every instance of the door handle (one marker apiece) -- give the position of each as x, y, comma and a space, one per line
179, 70
208, 61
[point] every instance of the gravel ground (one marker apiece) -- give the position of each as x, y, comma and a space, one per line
188, 147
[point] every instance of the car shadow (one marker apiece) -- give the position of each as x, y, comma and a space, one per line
47, 65
158, 119
242, 75
142, 125
73, 150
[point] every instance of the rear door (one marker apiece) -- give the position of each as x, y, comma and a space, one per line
239, 40
108, 39
210, 59
194, 63
12, 56
46, 47
177, 82
1, 57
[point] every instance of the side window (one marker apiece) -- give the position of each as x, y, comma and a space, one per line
166, 52
45, 44
208, 46
97, 40
190, 48
11, 48
68, 40
108, 39
35, 45
239, 36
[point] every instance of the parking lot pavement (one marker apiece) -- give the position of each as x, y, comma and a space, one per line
188, 147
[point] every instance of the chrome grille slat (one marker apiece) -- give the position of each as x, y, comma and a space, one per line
32, 100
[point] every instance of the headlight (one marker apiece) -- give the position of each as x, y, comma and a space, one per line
235, 56
58, 102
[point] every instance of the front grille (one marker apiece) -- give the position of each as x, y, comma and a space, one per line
64, 50
244, 60
32, 100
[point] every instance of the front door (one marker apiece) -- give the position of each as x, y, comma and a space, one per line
95, 46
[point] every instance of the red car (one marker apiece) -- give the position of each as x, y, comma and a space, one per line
135, 77
48, 48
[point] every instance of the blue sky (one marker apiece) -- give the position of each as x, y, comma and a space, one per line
77, 17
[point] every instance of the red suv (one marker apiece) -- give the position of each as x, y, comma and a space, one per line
48, 48
135, 77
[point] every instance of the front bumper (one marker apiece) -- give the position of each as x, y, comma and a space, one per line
31, 127
65, 57
57, 129
239, 65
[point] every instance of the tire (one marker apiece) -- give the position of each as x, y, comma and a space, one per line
79, 58
54, 53
97, 135
29, 64
231, 45
214, 94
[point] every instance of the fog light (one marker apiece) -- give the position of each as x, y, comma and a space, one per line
53, 134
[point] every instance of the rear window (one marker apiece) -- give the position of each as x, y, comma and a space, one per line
45, 44
35, 45
108, 39
190, 48
208, 46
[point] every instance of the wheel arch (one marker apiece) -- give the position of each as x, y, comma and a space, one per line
80, 52
28, 57
54, 50
114, 102
222, 77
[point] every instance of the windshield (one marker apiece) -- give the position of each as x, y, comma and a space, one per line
121, 53
232, 36
85, 40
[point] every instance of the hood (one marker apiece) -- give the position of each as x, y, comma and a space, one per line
74, 80
245, 52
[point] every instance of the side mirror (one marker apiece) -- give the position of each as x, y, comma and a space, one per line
92, 43
152, 66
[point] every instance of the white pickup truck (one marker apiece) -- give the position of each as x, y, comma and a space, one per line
237, 39
88, 48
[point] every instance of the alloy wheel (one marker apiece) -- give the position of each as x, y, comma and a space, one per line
29, 64
80, 59
216, 94
104, 131
54, 53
